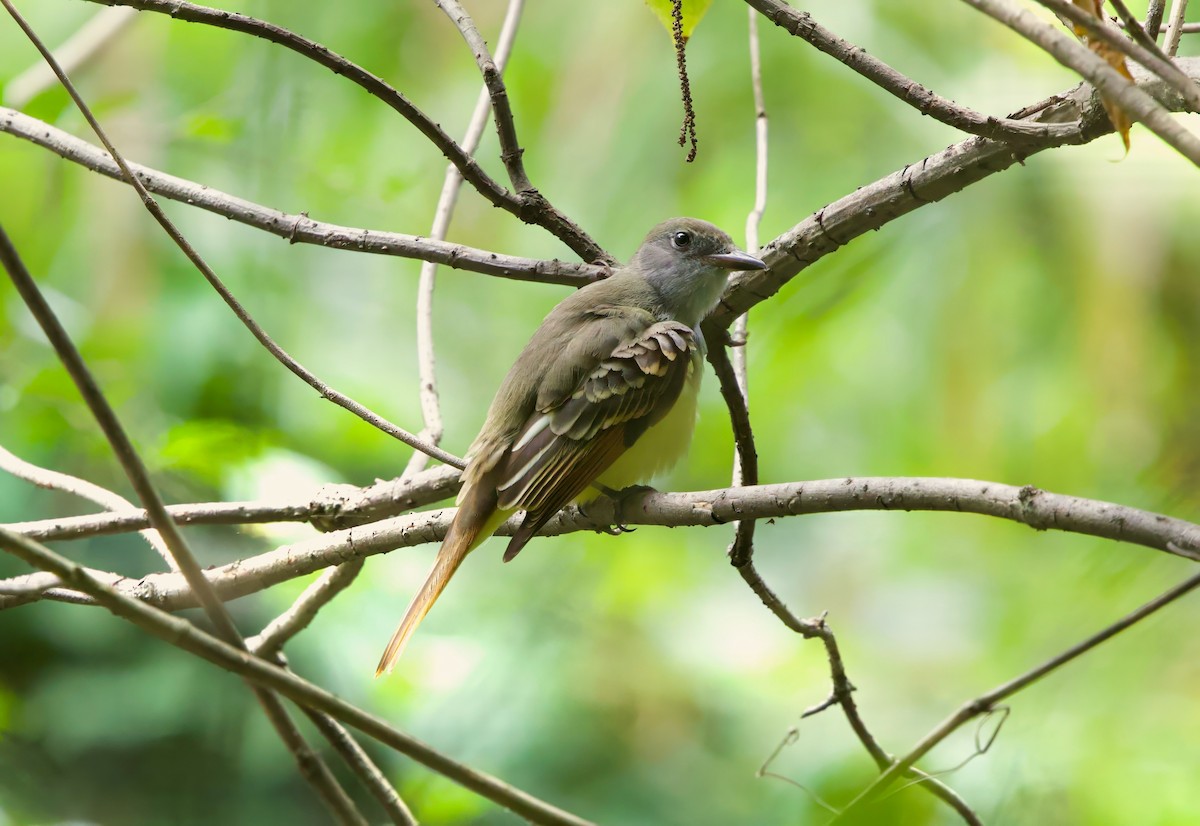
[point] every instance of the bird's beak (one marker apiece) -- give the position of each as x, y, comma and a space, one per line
735, 260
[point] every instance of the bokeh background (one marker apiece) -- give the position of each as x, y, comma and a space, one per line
1042, 327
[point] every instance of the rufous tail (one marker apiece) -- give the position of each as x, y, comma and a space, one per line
476, 520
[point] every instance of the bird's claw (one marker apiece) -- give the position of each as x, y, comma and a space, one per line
620, 498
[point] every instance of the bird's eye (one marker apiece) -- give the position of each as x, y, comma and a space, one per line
681, 239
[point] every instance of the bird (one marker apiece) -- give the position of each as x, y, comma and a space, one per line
602, 397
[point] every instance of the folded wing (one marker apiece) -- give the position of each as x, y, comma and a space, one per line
569, 441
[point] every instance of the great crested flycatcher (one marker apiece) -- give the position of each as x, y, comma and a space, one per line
604, 392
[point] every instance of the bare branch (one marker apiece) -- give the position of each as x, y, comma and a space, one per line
1137, 104
506, 128
731, 368
801, 24
842, 693
184, 635
354, 756
1127, 21
329, 508
1147, 53
29, 585
534, 211
298, 228
1039, 509
986, 702
54, 480
742, 548
919, 184
1186, 28
312, 768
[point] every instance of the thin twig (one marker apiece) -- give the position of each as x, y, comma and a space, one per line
29, 585
55, 480
492, 69
801, 24
451, 185
1036, 508
745, 454
354, 756
842, 693
986, 702
1175, 27
91, 38
534, 211
183, 634
742, 548
1154, 25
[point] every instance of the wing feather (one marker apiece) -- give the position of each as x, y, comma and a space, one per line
571, 440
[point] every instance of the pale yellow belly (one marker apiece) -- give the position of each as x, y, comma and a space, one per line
659, 448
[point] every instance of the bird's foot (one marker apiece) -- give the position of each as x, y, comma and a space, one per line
619, 499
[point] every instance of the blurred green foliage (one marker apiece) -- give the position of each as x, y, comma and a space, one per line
1042, 327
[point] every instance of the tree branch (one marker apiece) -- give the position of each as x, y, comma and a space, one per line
987, 702
801, 24
1174, 27
183, 634
545, 215
354, 756
1154, 16
1137, 104
1148, 54
506, 128
918, 184
298, 228
54, 480
268, 642
1028, 505
329, 508
311, 767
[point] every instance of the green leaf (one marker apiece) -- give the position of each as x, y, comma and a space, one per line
693, 10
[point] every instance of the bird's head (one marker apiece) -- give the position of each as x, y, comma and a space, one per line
687, 261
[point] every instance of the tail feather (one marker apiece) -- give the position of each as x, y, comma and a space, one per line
477, 519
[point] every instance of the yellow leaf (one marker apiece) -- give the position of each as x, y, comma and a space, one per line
1120, 120
693, 10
